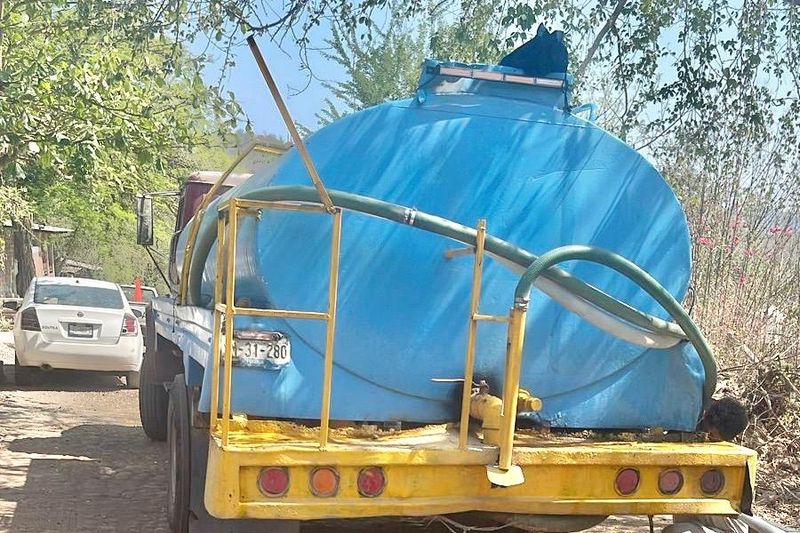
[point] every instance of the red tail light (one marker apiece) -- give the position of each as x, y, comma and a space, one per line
371, 481
670, 482
627, 481
129, 325
712, 481
29, 320
273, 481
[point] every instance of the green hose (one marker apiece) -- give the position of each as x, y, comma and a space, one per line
434, 224
685, 329
643, 280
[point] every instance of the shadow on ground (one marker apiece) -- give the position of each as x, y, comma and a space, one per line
90, 478
63, 380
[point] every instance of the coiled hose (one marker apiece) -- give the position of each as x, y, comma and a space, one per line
559, 280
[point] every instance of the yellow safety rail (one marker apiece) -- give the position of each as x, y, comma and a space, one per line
225, 308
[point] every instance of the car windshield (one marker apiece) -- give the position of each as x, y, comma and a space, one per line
77, 295
147, 294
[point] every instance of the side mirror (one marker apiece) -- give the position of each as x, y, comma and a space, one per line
137, 313
11, 304
144, 220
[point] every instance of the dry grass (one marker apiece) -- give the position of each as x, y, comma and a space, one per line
749, 311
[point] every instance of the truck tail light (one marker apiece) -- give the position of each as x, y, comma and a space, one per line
129, 325
627, 481
712, 481
324, 482
29, 320
273, 481
371, 481
670, 482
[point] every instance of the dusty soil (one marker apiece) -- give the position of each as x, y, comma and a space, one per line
73, 458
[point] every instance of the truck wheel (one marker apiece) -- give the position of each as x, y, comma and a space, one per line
132, 380
22, 374
180, 465
153, 400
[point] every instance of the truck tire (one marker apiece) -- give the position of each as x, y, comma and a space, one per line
180, 464
153, 400
22, 374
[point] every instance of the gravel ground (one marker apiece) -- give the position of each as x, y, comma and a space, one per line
73, 458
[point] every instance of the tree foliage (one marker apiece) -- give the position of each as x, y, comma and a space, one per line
96, 103
386, 66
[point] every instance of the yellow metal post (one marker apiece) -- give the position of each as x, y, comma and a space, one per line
230, 286
330, 331
469, 361
217, 321
516, 339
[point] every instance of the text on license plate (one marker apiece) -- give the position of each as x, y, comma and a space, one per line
80, 330
262, 349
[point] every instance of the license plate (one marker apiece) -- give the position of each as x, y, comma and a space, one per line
262, 349
85, 331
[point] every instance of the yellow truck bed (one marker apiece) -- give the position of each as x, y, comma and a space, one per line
426, 473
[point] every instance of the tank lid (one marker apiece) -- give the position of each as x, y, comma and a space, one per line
450, 77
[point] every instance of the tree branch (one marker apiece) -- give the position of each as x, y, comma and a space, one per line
612, 20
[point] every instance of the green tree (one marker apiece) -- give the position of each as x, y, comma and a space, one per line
386, 66
95, 103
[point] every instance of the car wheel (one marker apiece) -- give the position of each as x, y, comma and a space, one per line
22, 374
132, 380
180, 465
153, 400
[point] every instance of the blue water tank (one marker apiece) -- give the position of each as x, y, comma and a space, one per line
466, 149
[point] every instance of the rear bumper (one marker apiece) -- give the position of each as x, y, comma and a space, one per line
124, 356
560, 480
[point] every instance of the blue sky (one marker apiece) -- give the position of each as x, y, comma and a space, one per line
245, 81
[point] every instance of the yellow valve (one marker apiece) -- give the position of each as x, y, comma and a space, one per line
488, 409
527, 402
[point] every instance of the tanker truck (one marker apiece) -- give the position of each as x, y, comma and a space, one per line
463, 305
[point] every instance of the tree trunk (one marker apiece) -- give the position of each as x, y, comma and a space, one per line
26, 270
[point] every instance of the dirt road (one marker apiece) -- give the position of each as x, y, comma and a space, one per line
73, 458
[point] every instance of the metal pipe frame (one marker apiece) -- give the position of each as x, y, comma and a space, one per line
508, 418
227, 227
324, 196
218, 314
469, 358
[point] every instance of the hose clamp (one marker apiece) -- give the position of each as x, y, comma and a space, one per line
409, 216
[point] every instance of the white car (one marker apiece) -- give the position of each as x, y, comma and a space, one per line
78, 324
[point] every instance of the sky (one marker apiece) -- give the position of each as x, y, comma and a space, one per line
246, 82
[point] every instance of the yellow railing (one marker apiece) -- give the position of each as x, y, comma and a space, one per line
225, 311
225, 308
